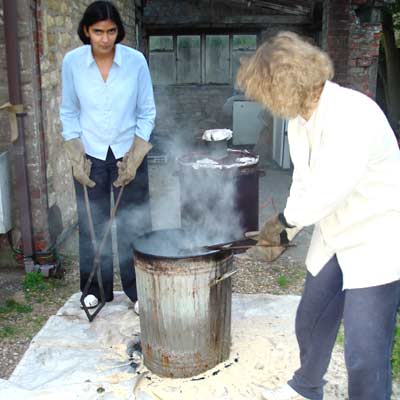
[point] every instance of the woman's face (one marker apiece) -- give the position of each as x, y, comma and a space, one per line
102, 36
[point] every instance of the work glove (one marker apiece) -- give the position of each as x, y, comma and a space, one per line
272, 231
80, 164
271, 240
263, 253
132, 159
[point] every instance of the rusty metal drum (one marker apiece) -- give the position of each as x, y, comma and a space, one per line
185, 304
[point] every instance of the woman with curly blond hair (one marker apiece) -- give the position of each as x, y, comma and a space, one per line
346, 182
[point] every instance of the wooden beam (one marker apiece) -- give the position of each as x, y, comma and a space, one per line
292, 7
221, 22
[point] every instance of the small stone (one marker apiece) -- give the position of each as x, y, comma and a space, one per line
259, 366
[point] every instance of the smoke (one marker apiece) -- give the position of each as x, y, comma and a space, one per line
208, 204
202, 202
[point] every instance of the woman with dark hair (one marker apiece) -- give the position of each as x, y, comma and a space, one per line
346, 182
107, 113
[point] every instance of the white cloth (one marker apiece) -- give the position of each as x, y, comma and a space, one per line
106, 113
346, 181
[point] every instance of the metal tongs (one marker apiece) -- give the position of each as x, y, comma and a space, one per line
240, 244
96, 270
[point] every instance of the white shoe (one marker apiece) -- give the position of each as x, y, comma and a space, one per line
136, 307
90, 301
283, 393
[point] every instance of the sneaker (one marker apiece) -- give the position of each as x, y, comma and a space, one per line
136, 307
283, 393
90, 301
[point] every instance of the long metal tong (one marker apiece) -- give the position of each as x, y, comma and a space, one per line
96, 270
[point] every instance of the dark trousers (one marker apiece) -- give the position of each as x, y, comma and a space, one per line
132, 218
369, 318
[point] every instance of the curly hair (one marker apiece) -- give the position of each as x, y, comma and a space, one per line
286, 75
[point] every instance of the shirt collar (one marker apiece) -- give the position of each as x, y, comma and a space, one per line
117, 56
89, 55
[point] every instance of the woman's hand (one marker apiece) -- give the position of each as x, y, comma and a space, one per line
81, 166
130, 163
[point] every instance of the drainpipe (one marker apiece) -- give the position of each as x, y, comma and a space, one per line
15, 95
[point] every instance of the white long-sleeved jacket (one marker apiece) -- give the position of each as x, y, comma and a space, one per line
346, 181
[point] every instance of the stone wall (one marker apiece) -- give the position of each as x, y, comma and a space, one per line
47, 30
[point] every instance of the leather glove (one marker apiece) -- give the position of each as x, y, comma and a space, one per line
80, 164
132, 159
263, 253
271, 232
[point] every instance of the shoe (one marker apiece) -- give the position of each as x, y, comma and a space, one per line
90, 301
283, 393
136, 307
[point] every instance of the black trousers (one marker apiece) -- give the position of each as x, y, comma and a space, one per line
132, 219
369, 319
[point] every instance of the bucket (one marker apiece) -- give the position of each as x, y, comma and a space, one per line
185, 305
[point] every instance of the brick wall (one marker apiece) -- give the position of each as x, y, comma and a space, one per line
351, 35
363, 60
335, 36
47, 30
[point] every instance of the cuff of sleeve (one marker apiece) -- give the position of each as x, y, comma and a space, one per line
283, 221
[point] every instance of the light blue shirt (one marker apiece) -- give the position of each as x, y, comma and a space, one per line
106, 113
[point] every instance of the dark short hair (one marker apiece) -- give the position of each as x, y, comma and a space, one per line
100, 11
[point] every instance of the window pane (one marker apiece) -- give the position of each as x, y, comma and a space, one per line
161, 43
188, 59
243, 46
162, 68
244, 42
161, 60
217, 59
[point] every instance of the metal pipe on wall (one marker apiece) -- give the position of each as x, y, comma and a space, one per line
15, 96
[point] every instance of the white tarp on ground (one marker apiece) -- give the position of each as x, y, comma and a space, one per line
71, 358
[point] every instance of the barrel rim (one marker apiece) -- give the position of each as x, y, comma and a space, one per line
206, 254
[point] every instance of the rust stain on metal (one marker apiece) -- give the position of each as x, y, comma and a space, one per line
149, 351
165, 360
186, 325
